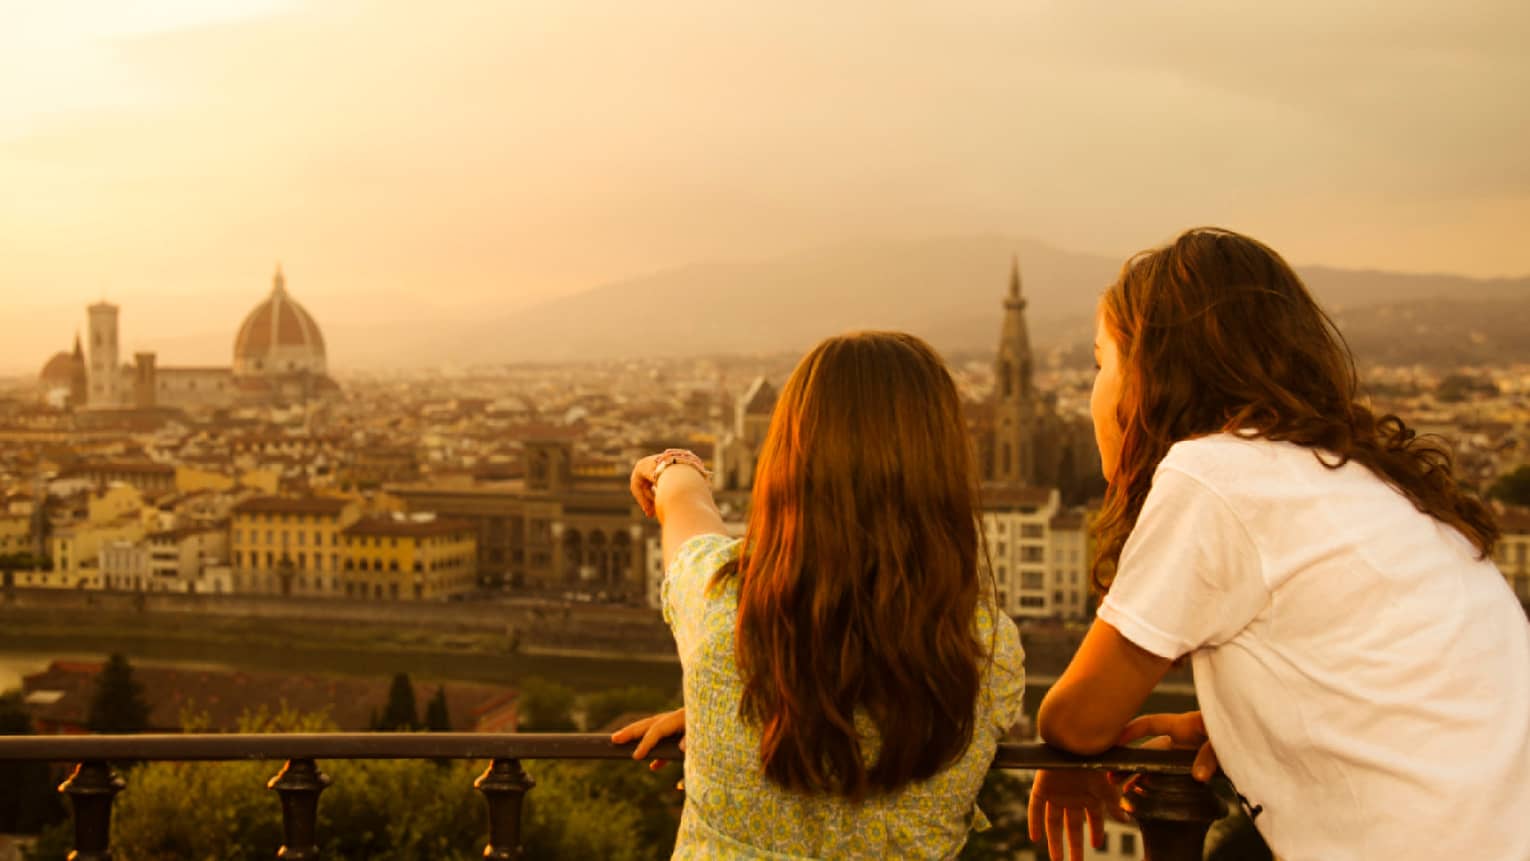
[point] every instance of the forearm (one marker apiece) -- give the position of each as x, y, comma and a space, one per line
1101, 690
685, 508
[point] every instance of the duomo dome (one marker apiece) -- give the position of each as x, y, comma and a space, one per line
278, 338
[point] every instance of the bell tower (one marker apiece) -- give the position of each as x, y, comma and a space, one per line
1014, 393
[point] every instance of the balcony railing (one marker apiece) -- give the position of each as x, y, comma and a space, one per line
1173, 810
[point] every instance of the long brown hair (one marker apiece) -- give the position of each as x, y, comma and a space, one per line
859, 577
1217, 333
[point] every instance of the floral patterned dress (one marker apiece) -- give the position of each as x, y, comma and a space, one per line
732, 812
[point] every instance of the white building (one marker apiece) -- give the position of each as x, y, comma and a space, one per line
1123, 842
1039, 552
177, 560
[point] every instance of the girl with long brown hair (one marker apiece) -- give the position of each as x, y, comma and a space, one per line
847, 673
1362, 668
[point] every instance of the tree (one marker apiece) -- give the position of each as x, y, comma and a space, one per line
391, 810
28, 801
545, 706
379, 810
613, 810
400, 714
436, 717
118, 705
1513, 487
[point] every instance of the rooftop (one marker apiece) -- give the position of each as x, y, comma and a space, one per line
322, 505
400, 527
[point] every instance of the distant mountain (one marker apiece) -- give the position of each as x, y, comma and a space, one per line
1440, 331
949, 291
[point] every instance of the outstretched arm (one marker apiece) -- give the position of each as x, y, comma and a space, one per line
681, 499
1103, 687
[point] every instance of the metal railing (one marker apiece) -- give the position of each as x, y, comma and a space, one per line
1173, 810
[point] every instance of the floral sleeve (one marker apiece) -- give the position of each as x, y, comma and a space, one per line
684, 591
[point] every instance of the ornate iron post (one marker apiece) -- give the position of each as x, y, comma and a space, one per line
299, 785
91, 789
1174, 812
504, 786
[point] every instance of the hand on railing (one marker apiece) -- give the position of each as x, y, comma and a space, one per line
1185, 731
650, 731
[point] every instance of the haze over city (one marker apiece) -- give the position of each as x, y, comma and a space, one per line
412, 168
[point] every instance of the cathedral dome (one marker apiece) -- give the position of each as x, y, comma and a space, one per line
59, 372
279, 337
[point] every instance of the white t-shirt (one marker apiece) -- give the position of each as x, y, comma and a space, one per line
1364, 677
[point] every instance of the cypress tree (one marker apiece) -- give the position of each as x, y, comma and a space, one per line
401, 713
118, 705
436, 718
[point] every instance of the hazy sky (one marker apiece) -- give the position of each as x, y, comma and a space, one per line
413, 160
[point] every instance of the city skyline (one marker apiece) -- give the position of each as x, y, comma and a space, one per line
413, 168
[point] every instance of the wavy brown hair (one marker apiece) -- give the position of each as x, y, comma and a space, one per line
859, 577
1217, 333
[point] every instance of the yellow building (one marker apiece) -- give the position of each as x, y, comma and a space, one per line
76, 552
15, 535
116, 502
282, 546
418, 557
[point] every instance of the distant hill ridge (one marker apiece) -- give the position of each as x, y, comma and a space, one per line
949, 291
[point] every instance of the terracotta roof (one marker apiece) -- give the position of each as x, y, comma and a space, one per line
291, 505
277, 322
543, 432
398, 528
760, 399
60, 370
139, 468
224, 696
1015, 496
1068, 520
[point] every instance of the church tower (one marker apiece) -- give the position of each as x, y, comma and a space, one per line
1015, 409
105, 372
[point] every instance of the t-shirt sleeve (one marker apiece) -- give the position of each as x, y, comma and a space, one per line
1190, 575
684, 590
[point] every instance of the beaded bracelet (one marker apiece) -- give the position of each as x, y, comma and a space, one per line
672, 456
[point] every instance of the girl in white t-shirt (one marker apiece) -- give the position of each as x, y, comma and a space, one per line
1363, 670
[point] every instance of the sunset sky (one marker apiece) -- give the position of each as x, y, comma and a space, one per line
407, 160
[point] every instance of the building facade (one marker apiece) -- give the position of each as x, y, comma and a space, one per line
1039, 552
285, 546
1513, 552
554, 530
418, 557
738, 449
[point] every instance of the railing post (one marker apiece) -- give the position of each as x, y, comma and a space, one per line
91, 789
504, 786
1174, 812
299, 785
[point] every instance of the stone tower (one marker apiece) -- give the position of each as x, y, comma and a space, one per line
105, 371
1016, 411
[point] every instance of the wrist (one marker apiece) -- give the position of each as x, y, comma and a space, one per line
678, 457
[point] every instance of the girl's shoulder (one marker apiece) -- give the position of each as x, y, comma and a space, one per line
1237, 460
697, 602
